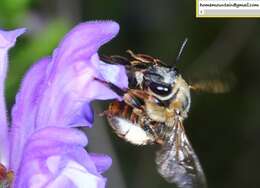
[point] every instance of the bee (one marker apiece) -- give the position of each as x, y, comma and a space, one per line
153, 109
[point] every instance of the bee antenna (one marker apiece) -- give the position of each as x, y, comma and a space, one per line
181, 50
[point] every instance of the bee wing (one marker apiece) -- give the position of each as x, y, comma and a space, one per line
223, 84
178, 163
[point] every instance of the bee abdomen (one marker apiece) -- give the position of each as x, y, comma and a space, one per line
131, 132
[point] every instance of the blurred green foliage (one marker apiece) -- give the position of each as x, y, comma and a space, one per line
33, 45
12, 12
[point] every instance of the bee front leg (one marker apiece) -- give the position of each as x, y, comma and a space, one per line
112, 86
133, 101
144, 95
130, 96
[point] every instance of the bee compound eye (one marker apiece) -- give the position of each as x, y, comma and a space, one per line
160, 89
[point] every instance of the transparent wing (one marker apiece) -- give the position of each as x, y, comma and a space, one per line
177, 161
212, 86
219, 84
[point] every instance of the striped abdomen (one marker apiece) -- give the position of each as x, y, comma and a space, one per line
127, 124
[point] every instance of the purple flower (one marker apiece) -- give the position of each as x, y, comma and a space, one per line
43, 147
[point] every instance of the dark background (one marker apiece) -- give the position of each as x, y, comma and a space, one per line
223, 128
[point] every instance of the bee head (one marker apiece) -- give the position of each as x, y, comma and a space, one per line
160, 80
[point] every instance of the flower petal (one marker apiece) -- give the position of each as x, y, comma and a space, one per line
102, 162
57, 91
114, 73
7, 40
85, 117
25, 110
55, 157
70, 77
83, 41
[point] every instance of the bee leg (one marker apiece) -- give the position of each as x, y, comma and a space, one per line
159, 141
144, 95
139, 112
113, 87
140, 58
105, 113
133, 101
130, 97
113, 109
135, 98
149, 126
115, 59
139, 93
154, 129
125, 111
133, 117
